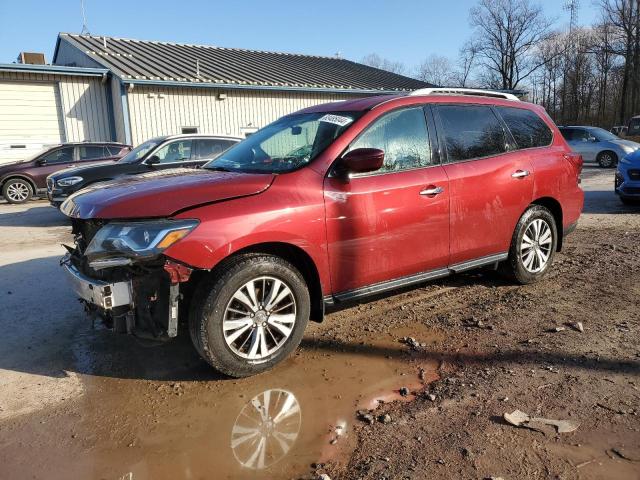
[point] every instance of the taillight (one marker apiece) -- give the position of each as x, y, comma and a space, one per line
575, 159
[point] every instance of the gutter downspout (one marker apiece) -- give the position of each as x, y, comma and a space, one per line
125, 113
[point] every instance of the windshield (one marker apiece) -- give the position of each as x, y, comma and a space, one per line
602, 135
140, 151
285, 145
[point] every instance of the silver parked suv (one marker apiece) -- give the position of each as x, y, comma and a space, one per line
597, 145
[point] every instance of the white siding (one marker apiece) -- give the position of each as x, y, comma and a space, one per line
164, 111
82, 103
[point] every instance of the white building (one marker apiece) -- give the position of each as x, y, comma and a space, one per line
105, 88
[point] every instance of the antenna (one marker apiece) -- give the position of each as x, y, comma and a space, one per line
572, 6
85, 29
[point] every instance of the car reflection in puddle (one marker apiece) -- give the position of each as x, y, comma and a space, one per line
271, 426
266, 429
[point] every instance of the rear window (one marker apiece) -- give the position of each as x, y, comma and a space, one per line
471, 131
527, 128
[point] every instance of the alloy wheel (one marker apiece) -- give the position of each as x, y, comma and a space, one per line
259, 318
18, 192
535, 248
606, 160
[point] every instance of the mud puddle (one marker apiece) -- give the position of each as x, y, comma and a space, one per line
271, 426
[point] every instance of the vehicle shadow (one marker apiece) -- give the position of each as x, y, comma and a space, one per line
36, 216
606, 202
531, 356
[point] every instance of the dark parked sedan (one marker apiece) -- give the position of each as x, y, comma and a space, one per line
190, 151
19, 181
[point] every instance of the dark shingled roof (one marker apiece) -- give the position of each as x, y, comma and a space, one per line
175, 62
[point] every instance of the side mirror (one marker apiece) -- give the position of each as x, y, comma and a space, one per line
153, 160
592, 139
361, 160
42, 161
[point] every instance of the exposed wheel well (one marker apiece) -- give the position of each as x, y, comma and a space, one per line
555, 208
303, 262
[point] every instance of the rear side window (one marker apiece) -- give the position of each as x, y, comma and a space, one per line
567, 133
114, 150
403, 137
92, 152
527, 128
210, 148
471, 131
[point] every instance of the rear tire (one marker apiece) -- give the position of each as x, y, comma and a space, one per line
17, 190
238, 325
533, 246
607, 159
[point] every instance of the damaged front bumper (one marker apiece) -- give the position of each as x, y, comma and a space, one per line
143, 302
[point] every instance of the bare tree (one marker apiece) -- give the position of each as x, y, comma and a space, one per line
623, 17
507, 33
438, 70
376, 61
466, 62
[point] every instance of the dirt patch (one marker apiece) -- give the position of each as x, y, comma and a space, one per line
521, 348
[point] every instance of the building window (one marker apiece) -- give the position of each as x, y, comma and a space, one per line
189, 130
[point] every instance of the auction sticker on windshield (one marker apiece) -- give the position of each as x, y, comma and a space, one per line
336, 119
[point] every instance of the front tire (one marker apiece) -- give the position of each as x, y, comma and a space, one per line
17, 190
250, 315
533, 246
607, 159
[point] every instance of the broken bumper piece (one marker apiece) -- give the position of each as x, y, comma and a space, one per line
106, 296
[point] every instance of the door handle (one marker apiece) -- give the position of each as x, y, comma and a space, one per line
520, 174
431, 190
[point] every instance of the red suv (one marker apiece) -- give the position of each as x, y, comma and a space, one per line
323, 206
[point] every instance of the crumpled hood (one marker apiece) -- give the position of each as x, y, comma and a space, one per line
161, 193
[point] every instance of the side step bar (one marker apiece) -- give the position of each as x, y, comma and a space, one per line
362, 292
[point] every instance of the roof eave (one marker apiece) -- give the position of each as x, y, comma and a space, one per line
239, 86
53, 69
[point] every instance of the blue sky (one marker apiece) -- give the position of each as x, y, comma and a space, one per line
407, 31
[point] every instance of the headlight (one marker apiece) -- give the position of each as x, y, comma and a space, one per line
68, 181
138, 239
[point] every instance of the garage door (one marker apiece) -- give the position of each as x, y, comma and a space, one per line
30, 111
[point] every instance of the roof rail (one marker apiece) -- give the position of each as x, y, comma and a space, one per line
465, 91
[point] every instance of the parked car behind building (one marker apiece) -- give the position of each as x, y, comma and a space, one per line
19, 181
160, 153
324, 206
597, 145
